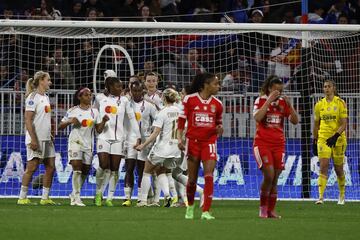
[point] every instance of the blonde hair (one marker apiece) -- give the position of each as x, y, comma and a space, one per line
33, 83
170, 95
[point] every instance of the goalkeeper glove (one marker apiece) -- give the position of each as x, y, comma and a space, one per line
331, 141
315, 150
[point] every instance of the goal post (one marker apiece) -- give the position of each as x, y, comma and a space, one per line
76, 54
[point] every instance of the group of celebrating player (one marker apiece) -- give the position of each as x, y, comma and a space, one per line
166, 135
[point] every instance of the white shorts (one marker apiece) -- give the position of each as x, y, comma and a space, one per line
132, 153
76, 153
110, 147
46, 150
169, 163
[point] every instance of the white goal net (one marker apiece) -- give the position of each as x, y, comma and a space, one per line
76, 54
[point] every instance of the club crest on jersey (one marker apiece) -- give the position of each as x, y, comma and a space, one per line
329, 109
213, 108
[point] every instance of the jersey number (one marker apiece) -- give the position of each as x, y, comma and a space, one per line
174, 129
212, 148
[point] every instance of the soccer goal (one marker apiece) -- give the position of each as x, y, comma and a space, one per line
76, 53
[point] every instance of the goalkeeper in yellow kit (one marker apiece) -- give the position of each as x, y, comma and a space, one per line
329, 138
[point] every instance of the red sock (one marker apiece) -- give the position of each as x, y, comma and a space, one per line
208, 192
190, 193
272, 202
264, 198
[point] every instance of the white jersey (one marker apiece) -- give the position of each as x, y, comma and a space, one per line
166, 144
40, 105
155, 99
83, 135
145, 113
117, 108
98, 98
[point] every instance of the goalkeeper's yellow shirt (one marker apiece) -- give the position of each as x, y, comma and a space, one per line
329, 114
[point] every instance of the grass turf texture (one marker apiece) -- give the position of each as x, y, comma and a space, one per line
234, 220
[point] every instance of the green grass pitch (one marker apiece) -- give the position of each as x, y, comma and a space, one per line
234, 220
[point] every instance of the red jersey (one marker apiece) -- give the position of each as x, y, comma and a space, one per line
271, 129
202, 116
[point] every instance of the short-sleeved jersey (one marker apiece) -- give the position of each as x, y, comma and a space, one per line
145, 113
166, 144
83, 135
329, 114
271, 129
202, 117
40, 105
116, 108
155, 98
98, 98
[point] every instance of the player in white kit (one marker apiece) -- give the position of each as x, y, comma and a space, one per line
153, 95
38, 139
165, 153
110, 142
83, 119
145, 113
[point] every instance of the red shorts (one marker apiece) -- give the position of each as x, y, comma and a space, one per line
201, 150
269, 156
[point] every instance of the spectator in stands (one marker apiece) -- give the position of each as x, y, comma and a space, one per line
343, 19
189, 65
145, 14
4, 76
317, 12
76, 11
239, 13
128, 9
169, 8
60, 69
237, 78
202, 11
256, 16
84, 65
48, 12
99, 5
8, 13
289, 16
167, 66
92, 14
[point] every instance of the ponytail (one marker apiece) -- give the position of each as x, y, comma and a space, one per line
29, 87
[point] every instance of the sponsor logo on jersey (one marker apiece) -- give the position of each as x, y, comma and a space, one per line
100, 146
111, 109
87, 123
137, 116
47, 108
273, 119
328, 117
196, 108
203, 120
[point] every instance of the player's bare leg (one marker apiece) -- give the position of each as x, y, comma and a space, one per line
31, 167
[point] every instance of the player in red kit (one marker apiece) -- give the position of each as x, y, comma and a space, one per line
203, 114
270, 110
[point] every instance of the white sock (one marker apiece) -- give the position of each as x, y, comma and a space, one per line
76, 183
23, 192
183, 180
171, 185
156, 189
128, 192
180, 189
113, 180
99, 179
107, 174
145, 187
139, 191
45, 193
164, 184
